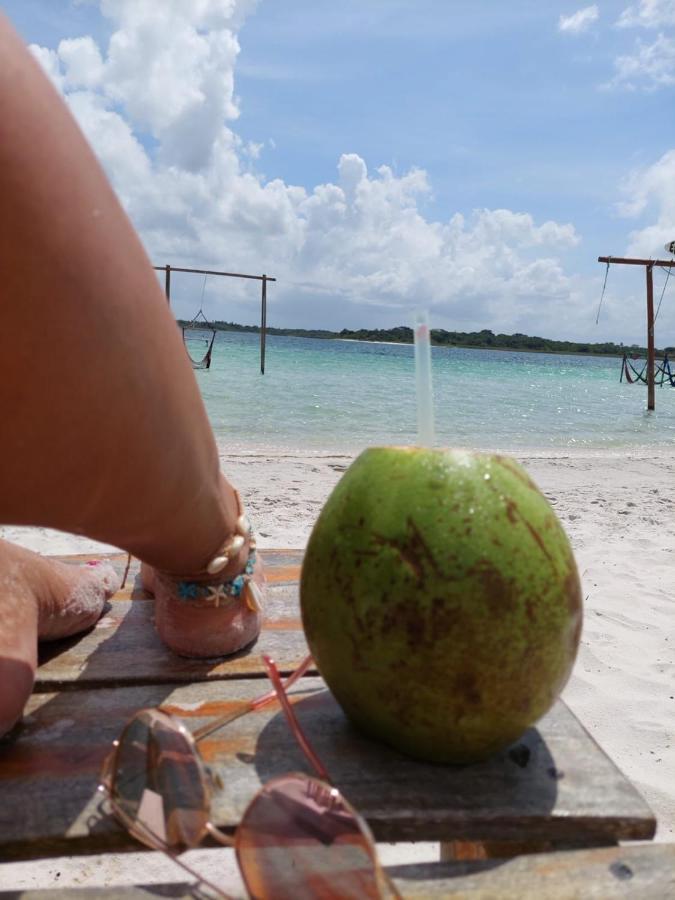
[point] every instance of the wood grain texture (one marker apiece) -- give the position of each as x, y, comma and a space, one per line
616, 873
556, 784
646, 872
124, 648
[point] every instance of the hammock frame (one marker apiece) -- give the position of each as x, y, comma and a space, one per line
263, 279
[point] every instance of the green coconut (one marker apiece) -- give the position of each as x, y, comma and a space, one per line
441, 600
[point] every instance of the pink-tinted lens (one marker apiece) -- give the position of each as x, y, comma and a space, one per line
158, 782
300, 840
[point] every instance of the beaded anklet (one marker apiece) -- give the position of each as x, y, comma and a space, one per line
240, 586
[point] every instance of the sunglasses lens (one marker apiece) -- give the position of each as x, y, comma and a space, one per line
300, 839
158, 783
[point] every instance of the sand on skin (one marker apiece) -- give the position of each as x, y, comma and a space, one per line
619, 511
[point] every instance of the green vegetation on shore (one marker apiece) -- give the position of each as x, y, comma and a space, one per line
482, 340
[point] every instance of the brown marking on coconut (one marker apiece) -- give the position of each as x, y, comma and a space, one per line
466, 687
506, 463
539, 540
413, 551
420, 542
514, 515
511, 510
497, 591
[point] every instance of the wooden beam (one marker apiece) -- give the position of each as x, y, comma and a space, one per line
211, 272
666, 263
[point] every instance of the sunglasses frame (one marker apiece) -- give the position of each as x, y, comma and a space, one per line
322, 782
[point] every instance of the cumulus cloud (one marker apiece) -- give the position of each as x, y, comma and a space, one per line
158, 104
652, 66
651, 190
648, 14
82, 63
579, 21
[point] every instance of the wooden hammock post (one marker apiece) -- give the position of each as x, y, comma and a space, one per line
649, 268
263, 323
650, 337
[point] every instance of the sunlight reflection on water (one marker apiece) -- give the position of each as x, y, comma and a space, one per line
343, 395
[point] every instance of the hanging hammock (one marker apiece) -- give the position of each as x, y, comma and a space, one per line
662, 372
666, 374
199, 337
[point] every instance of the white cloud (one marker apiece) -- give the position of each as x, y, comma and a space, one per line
652, 66
579, 21
652, 191
159, 105
82, 62
648, 14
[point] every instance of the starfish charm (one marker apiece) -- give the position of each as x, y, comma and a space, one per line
216, 594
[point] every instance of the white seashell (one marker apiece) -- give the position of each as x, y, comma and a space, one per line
243, 525
234, 545
217, 564
254, 597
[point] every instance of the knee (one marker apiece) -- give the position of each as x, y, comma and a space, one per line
16, 681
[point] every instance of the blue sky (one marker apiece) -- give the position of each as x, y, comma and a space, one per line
520, 141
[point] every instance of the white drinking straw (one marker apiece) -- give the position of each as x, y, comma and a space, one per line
425, 398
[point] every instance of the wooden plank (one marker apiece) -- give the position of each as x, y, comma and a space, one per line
646, 872
124, 648
555, 785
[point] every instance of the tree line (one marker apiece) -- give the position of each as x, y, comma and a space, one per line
483, 340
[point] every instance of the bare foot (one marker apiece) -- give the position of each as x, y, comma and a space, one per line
207, 626
41, 599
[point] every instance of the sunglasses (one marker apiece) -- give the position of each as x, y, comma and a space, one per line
298, 838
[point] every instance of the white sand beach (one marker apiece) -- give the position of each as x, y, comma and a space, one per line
619, 511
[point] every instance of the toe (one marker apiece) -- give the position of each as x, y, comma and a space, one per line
77, 597
106, 579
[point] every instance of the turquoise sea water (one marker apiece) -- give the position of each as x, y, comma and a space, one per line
345, 395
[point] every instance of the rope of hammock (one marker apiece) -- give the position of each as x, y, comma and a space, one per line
205, 361
665, 285
604, 287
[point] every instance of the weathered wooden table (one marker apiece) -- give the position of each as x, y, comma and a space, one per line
554, 789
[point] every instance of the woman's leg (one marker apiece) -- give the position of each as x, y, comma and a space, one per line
104, 430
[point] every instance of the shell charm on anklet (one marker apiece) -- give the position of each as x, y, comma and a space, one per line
233, 544
253, 596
